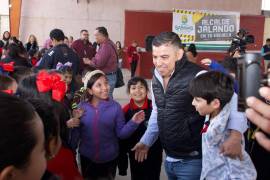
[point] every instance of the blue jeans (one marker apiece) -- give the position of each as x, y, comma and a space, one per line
112, 80
185, 169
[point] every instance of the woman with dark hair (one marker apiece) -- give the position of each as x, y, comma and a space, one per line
6, 38
22, 150
120, 52
51, 89
32, 44
15, 54
192, 53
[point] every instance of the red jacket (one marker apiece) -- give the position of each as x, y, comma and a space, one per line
131, 55
64, 165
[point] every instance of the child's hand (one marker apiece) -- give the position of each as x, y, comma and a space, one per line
206, 61
73, 122
77, 113
138, 117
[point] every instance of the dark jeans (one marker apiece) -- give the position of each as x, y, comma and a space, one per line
98, 171
112, 78
133, 66
147, 170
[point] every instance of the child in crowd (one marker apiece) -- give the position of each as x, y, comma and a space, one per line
20, 72
8, 84
50, 87
150, 168
22, 151
67, 73
212, 92
51, 131
64, 171
79, 93
101, 125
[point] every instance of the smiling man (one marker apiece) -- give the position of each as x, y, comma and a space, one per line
173, 119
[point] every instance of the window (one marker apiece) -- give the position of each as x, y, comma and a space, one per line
4, 17
265, 5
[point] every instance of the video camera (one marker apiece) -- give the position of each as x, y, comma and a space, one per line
240, 41
250, 78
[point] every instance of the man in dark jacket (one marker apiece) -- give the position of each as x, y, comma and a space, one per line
60, 53
84, 48
173, 119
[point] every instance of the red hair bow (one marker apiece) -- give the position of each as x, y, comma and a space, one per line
8, 91
51, 82
7, 67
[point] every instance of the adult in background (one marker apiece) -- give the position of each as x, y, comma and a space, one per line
192, 53
84, 48
174, 120
6, 38
60, 53
133, 57
265, 51
32, 44
106, 57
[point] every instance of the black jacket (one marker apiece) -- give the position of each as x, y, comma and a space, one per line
60, 53
178, 122
265, 50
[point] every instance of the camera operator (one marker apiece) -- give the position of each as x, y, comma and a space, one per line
239, 43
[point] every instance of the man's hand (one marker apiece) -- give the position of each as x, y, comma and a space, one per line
259, 114
141, 151
232, 146
206, 61
88, 61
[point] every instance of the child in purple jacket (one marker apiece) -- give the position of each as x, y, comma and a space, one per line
101, 125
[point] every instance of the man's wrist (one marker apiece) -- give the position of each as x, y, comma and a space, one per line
236, 135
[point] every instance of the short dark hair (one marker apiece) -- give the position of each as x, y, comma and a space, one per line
230, 64
212, 85
20, 72
167, 38
268, 40
5, 82
102, 30
57, 34
66, 70
83, 30
134, 81
14, 50
17, 136
192, 48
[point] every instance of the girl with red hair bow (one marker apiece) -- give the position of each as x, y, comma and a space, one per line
50, 87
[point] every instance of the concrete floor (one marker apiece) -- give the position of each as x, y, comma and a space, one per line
121, 96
